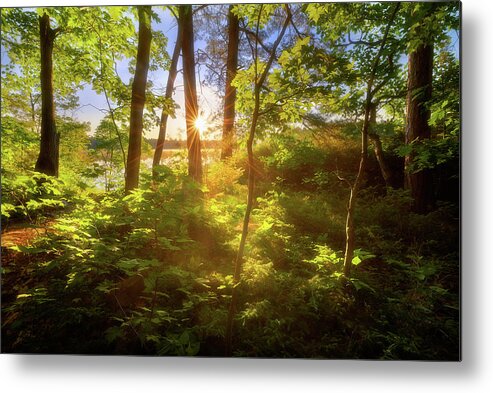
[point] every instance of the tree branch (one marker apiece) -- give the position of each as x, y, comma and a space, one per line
274, 49
251, 34
199, 8
290, 14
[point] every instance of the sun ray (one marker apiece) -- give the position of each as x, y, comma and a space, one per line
201, 124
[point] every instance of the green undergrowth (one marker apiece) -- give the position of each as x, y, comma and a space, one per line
151, 272
33, 195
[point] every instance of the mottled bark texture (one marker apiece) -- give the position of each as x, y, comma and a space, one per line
419, 91
230, 91
138, 99
420, 73
47, 161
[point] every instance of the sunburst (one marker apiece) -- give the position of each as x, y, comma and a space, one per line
201, 124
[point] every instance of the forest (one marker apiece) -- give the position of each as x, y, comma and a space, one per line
244, 180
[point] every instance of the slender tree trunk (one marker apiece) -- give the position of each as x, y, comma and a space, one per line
246, 221
355, 188
420, 69
259, 82
110, 109
117, 131
377, 146
33, 112
350, 229
138, 99
47, 161
230, 92
191, 105
169, 93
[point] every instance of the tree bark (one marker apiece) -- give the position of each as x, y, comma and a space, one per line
191, 105
377, 147
420, 74
173, 71
47, 161
138, 99
230, 92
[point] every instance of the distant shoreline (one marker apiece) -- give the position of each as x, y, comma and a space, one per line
175, 144
172, 144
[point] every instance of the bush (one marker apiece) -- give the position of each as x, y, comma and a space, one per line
222, 178
113, 265
33, 195
292, 159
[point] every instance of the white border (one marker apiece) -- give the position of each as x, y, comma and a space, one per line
134, 374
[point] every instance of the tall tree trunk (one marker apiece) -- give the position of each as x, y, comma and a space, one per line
259, 82
377, 147
169, 93
355, 188
350, 229
138, 99
191, 105
230, 92
419, 84
47, 161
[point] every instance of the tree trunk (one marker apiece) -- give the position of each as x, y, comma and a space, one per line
419, 84
350, 230
47, 161
191, 105
230, 92
33, 112
377, 146
259, 82
169, 93
138, 99
355, 188
110, 109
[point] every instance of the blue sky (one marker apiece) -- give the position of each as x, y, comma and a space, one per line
208, 100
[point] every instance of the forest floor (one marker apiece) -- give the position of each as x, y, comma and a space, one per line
150, 273
24, 233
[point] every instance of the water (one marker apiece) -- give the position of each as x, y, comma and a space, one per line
170, 157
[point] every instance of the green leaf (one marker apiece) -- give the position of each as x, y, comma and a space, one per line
358, 284
113, 333
184, 338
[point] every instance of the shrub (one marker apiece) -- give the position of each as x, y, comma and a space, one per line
222, 178
33, 195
